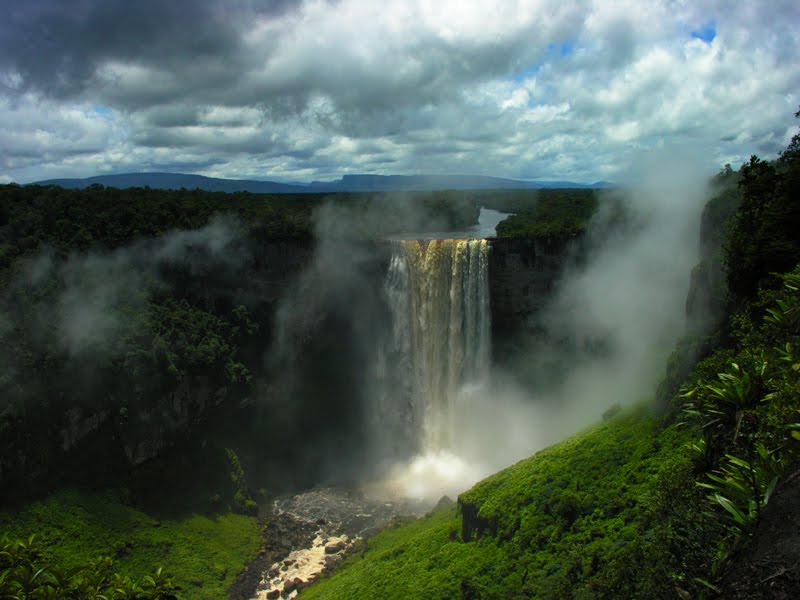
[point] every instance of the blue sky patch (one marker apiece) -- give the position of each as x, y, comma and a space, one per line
562, 50
707, 32
527, 73
554, 51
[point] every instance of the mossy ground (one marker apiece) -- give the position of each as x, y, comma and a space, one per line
202, 554
567, 522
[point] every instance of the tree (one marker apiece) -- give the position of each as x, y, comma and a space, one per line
744, 252
765, 233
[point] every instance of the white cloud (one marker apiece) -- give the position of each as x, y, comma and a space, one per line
540, 88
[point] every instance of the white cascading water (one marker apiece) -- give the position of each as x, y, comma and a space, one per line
438, 293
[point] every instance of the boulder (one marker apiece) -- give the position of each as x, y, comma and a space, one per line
335, 547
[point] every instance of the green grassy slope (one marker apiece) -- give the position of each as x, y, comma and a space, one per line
202, 554
567, 522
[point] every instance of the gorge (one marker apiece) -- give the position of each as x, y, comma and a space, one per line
421, 314
342, 378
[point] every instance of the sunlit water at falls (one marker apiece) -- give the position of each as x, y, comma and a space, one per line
438, 293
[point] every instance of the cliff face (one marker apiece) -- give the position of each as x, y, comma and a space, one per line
523, 272
84, 435
705, 303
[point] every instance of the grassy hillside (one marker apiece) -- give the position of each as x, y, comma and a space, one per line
575, 520
201, 554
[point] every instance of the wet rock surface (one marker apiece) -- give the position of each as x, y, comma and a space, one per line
286, 578
348, 512
282, 533
308, 534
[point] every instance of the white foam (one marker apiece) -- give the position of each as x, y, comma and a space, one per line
429, 477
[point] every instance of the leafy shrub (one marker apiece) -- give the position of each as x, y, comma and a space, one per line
25, 574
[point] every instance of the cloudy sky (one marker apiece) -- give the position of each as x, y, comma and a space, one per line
303, 90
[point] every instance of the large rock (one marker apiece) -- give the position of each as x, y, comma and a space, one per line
335, 547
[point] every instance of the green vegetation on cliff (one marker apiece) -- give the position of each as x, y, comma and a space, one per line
583, 519
201, 554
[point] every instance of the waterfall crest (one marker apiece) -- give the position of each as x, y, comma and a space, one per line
438, 293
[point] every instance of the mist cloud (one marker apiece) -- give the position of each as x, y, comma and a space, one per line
91, 288
614, 319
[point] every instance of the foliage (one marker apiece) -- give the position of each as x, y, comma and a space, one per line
595, 516
203, 555
743, 487
724, 402
556, 212
180, 339
104, 217
765, 233
24, 574
241, 498
108, 218
786, 315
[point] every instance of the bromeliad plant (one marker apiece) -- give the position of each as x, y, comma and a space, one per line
787, 314
741, 488
788, 354
795, 429
725, 401
24, 574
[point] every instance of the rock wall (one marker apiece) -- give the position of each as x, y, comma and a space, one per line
523, 273
148, 433
275, 264
75, 433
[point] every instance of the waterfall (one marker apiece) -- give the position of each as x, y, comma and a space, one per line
438, 294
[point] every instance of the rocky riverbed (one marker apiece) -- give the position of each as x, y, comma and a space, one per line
308, 534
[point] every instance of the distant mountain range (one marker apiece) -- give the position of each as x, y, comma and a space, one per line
348, 183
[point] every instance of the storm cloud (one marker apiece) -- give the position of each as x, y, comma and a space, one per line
316, 89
